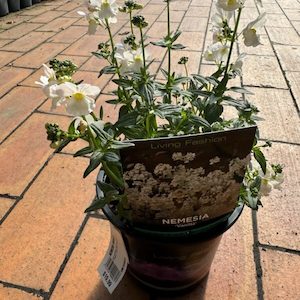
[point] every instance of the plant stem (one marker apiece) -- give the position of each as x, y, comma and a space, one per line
143, 47
92, 138
112, 176
169, 49
131, 26
233, 40
112, 46
94, 116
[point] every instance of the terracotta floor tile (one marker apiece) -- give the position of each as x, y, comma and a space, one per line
284, 36
5, 205
280, 275
4, 42
192, 41
11, 20
40, 55
7, 57
194, 24
15, 294
294, 79
36, 10
279, 113
28, 42
16, 106
49, 217
85, 45
69, 35
18, 31
70, 5
16, 154
57, 25
278, 221
263, 71
82, 269
10, 77
289, 57
47, 16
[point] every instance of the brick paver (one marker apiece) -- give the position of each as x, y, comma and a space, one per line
48, 248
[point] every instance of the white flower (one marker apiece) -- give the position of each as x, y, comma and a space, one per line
220, 16
217, 52
269, 180
237, 66
49, 82
251, 38
108, 10
130, 60
230, 4
92, 19
78, 99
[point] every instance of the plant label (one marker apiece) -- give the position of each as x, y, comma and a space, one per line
114, 265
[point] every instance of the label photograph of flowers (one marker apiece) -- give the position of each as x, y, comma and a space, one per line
149, 175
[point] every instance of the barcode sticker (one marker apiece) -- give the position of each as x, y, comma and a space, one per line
115, 261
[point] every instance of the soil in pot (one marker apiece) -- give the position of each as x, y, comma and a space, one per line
14, 5
3, 8
26, 3
171, 261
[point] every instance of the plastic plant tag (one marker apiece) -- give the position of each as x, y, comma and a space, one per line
114, 265
182, 181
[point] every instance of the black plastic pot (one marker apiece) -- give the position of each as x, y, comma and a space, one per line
14, 5
3, 8
36, 1
171, 261
26, 3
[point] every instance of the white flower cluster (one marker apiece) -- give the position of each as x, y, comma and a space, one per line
130, 60
77, 99
179, 191
269, 180
222, 23
101, 12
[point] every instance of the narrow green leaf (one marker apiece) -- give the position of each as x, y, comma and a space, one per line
260, 158
83, 151
97, 204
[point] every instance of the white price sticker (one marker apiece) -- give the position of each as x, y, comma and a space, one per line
114, 264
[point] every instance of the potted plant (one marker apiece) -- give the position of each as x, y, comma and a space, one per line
13, 5
25, 3
3, 8
175, 172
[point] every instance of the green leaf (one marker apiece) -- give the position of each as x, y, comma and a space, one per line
120, 145
113, 101
260, 158
63, 144
111, 157
240, 90
200, 121
106, 187
83, 151
126, 83
107, 70
160, 43
98, 203
95, 161
177, 47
